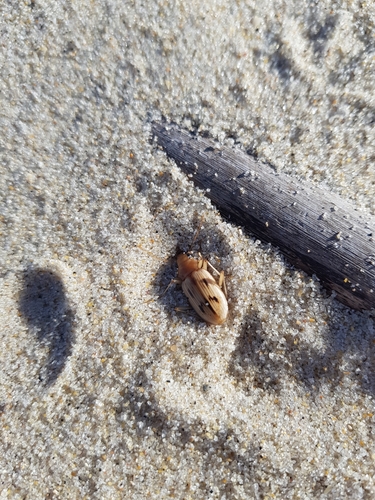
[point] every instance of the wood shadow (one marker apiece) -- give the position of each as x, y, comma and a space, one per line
262, 362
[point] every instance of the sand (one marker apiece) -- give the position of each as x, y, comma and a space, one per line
108, 392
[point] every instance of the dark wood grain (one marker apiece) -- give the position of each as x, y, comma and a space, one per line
317, 230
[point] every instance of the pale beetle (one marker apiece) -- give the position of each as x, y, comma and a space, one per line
207, 296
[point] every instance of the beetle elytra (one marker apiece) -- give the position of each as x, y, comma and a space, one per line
207, 297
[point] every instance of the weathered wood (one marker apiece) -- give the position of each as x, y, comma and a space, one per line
317, 230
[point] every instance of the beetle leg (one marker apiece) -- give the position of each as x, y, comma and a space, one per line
221, 278
202, 262
182, 308
172, 282
222, 283
212, 267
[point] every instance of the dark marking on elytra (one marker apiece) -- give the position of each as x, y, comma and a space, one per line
204, 306
209, 281
210, 307
214, 298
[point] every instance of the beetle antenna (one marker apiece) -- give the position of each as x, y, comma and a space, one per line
200, 226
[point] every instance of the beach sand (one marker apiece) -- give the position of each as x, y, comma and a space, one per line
107, 392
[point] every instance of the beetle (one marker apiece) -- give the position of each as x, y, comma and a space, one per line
207, 296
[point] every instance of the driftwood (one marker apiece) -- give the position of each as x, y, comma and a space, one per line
316, 230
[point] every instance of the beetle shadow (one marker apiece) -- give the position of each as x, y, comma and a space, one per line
43, 304
259, 361
205, 239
